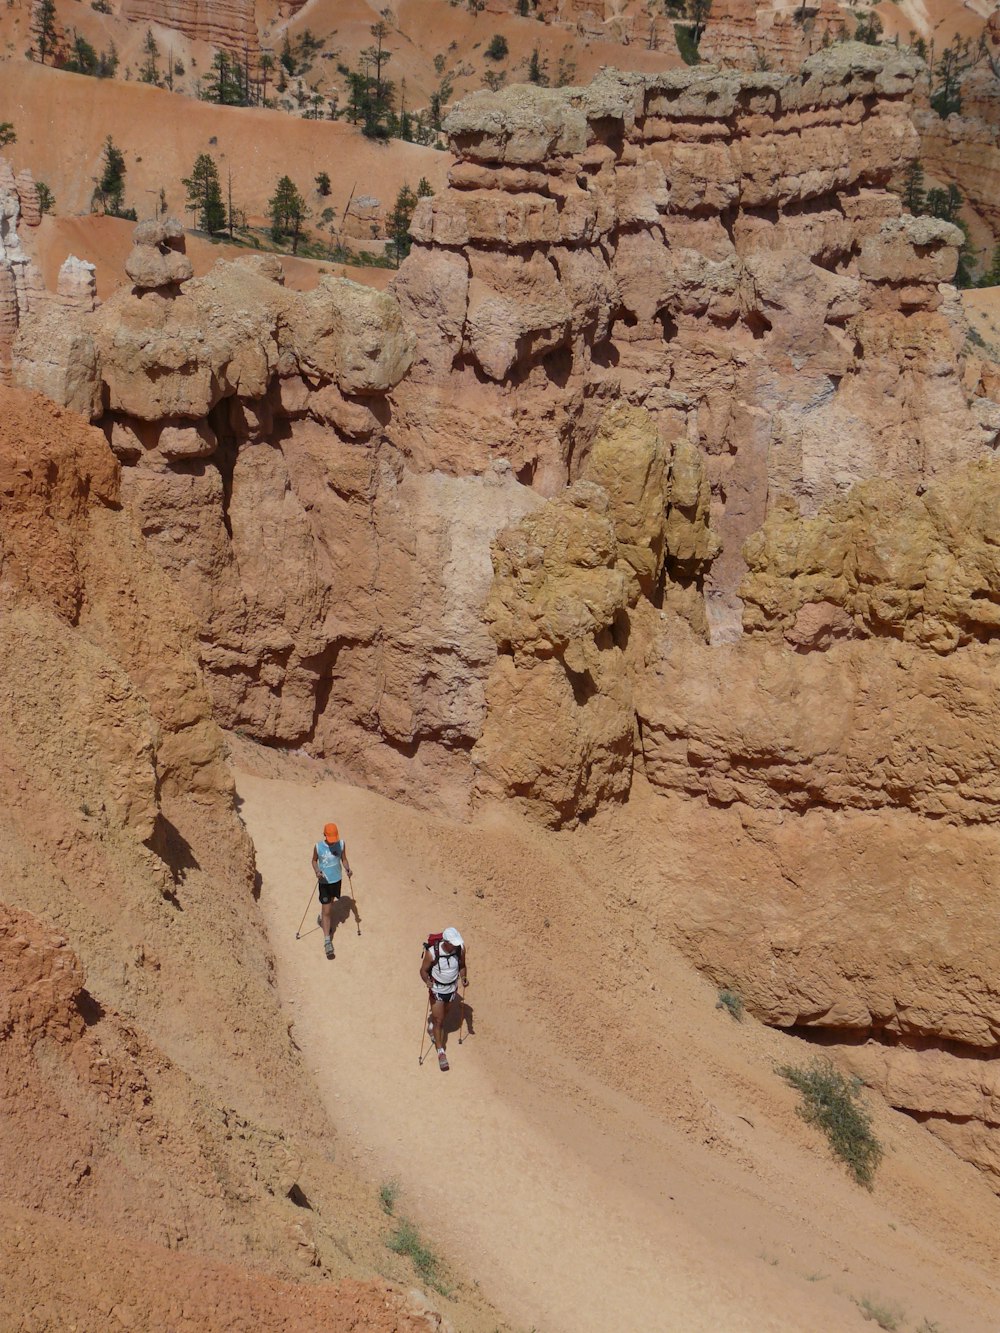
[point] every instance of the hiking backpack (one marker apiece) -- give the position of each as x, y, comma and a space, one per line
433, 942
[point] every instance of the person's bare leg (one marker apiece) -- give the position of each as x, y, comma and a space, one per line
326, 916
437, 1024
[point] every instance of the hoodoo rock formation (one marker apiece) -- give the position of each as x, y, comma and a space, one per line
667, 424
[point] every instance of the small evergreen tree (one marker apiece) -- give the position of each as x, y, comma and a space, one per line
204, 194
699, 11
323, 183
991, 277
288, 212
536, 69
498, 48
286, 59
868, 29
398, 224
82, 58
46, 32
149, 71
46, 199
914, 196
107, 63
956, 59
8, 134
424, 190
110, 191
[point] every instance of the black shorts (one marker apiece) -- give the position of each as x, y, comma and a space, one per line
329, 892
445, 996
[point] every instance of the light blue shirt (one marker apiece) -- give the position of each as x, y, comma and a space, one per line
328, 857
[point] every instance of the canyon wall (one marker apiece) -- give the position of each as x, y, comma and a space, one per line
230, 25
665, 458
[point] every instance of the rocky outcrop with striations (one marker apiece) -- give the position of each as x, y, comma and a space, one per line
230, 25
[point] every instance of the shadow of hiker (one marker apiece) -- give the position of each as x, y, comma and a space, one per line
343, 909
457, 1014
173, 849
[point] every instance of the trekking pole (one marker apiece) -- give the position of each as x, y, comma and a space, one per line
354, 902
423, 1032
305, 914
461, 1015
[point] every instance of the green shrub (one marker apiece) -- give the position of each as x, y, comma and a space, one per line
732, 1002
687, 43
830, 1100
497, 49
884, 1315
387, 1196
406, 1241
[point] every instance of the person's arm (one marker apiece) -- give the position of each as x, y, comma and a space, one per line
343, 857
315, 862
425, 968
464, 960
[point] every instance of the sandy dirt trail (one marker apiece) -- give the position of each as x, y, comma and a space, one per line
555, 1183
493, 1159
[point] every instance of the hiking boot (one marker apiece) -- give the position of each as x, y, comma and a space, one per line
443, 1061
328, 946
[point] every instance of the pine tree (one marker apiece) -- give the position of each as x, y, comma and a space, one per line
204, 193
536, 69
46, 32
149, 72
398, 224
8, 134
323, 183
46, 199
914, 196
110, 191
288, 213
991, 278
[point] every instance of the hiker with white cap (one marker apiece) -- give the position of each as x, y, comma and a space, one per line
444, 961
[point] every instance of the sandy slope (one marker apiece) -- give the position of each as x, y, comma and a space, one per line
609, 1150
106, 242
161, 134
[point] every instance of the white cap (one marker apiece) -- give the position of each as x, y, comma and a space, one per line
453, 937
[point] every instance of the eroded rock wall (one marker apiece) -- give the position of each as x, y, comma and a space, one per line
664, 456
230, 25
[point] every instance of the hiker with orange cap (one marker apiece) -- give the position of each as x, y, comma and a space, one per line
329, 855
444, 961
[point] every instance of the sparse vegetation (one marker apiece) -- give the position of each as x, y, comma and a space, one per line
406, 1241
732, 1002
399, 220
46, 32
204, 194
885, 1316
8, 134
387, 1196
83, 59
46, 199
498, 48
323, 183
288, 213
869, 29
830, 1101
537, 70
687, 43
109, 186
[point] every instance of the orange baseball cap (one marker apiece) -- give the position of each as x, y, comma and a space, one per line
331, 833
